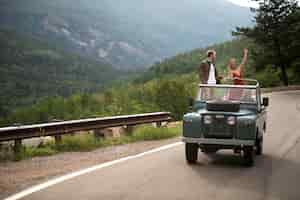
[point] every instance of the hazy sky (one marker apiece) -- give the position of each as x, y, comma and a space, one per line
247, 3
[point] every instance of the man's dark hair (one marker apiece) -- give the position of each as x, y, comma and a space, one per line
210, 53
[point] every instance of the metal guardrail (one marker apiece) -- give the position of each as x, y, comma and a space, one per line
67, 127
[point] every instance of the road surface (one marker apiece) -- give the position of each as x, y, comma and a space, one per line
165, 175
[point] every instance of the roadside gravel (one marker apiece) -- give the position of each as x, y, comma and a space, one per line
16, 176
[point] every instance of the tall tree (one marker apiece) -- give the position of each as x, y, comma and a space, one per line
274, 32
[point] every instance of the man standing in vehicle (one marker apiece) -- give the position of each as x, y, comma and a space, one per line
208, 73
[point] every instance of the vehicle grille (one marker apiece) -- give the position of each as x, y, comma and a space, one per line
219, 129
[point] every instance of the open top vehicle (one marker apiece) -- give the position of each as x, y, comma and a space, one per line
225, 116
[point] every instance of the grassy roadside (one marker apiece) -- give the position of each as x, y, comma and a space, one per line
87, 142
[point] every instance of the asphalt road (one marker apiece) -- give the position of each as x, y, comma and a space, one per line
165, 175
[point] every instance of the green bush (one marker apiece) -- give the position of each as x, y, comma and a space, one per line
151, 133
29, 152
40, 151
268, 77
76, 143
87, 142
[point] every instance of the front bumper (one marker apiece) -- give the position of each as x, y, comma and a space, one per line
230, 142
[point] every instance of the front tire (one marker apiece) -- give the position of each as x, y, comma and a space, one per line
259, 146
249, 156
191, 152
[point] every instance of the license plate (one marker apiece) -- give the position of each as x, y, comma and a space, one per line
220, 116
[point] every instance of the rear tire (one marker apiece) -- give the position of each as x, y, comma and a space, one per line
249, 156
191, 152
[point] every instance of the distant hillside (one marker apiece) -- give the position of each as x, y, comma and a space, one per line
166, 86
186, 65
127, 34
188, 62
30, 69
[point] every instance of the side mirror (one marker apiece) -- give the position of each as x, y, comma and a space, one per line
191, 103
265, 101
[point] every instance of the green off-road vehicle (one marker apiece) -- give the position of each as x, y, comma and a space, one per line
226, 117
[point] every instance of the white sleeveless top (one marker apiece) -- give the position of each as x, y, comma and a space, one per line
212, 76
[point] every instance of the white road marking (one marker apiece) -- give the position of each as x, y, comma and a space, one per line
85, 171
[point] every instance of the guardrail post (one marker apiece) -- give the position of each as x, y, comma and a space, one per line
158, 124
128, 129
98, 133
17, 146
72, 133
58, 139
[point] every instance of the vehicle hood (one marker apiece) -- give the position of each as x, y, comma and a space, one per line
242, 112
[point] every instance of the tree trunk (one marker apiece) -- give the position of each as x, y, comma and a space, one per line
284, 76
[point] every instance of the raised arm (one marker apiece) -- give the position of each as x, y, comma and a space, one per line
244, 61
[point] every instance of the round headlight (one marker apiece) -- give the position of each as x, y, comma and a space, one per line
207, 119
231, 120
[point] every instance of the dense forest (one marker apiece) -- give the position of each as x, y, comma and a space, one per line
166, 86
276, 35
30, 69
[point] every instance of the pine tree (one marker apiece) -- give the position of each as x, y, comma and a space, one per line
274, 32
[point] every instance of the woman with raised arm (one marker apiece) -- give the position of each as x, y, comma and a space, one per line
236, 72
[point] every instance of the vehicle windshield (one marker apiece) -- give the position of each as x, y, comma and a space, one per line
217, 93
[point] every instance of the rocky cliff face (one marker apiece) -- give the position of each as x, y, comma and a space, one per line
127, 34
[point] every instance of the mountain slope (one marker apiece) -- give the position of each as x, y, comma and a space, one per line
166, 86
188, 62
127, 34
30, 69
